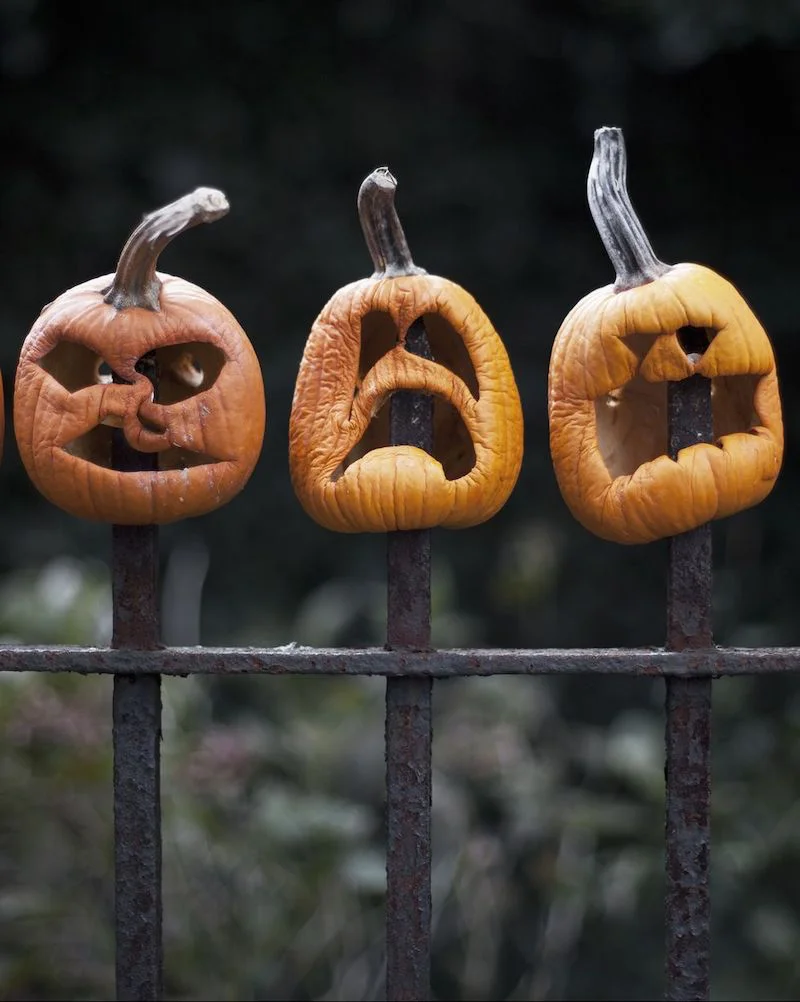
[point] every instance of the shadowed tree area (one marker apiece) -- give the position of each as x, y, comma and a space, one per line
548, 793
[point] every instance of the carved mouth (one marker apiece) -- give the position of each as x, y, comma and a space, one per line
631, 421
95, 446
452, 443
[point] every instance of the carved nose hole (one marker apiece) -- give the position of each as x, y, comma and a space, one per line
694, 340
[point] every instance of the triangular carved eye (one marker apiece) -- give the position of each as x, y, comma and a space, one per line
185, 370
75, 366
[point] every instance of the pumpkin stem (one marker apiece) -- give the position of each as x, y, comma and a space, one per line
622, 234
135, 281
383, 231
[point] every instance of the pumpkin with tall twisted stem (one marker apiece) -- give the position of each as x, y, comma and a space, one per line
611, 362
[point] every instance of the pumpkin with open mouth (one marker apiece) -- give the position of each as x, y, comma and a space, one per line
151, 357
612, 360
402, 331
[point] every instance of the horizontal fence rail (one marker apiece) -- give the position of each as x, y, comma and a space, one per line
652, 662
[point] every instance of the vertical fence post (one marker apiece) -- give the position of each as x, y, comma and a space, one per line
408, 727
688, 724
137, 754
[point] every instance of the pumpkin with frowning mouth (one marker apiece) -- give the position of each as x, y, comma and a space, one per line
612, 361
149, 357
402, 330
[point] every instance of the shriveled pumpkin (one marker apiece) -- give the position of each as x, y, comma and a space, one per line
612, 360
152, 358
402, 331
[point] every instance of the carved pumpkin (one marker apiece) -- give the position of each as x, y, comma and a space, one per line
81, 377
369, 345
611, 362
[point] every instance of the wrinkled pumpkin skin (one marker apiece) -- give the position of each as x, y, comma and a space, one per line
612, 465
225, 423
400, 487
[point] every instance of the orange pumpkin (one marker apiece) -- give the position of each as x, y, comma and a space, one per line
348, 472
82, 380
612, 360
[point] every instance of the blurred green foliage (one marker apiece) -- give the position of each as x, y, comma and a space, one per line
548, 792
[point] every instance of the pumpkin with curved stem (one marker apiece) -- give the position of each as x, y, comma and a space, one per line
611, 361
370, 342
95, 360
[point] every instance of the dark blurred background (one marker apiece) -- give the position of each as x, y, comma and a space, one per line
548, 792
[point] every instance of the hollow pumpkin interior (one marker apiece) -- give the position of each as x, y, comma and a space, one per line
452, 443
184, 371
631, 421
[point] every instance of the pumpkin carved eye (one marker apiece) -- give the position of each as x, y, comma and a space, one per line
402, 331
150, 358
184, 369
612, 362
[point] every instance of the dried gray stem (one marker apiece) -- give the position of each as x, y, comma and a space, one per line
622, 234
383, 231
135, 281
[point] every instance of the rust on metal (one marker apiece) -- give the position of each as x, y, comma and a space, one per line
292, 659
137, 752
408, 725
688, 724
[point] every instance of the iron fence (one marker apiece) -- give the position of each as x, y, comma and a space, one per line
688, 662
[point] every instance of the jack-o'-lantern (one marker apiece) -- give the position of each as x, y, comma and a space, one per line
150, 357
612, 360
402, 331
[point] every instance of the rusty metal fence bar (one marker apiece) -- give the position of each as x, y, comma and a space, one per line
136, 718
137, 771
687, 766
652, 662
409, 733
